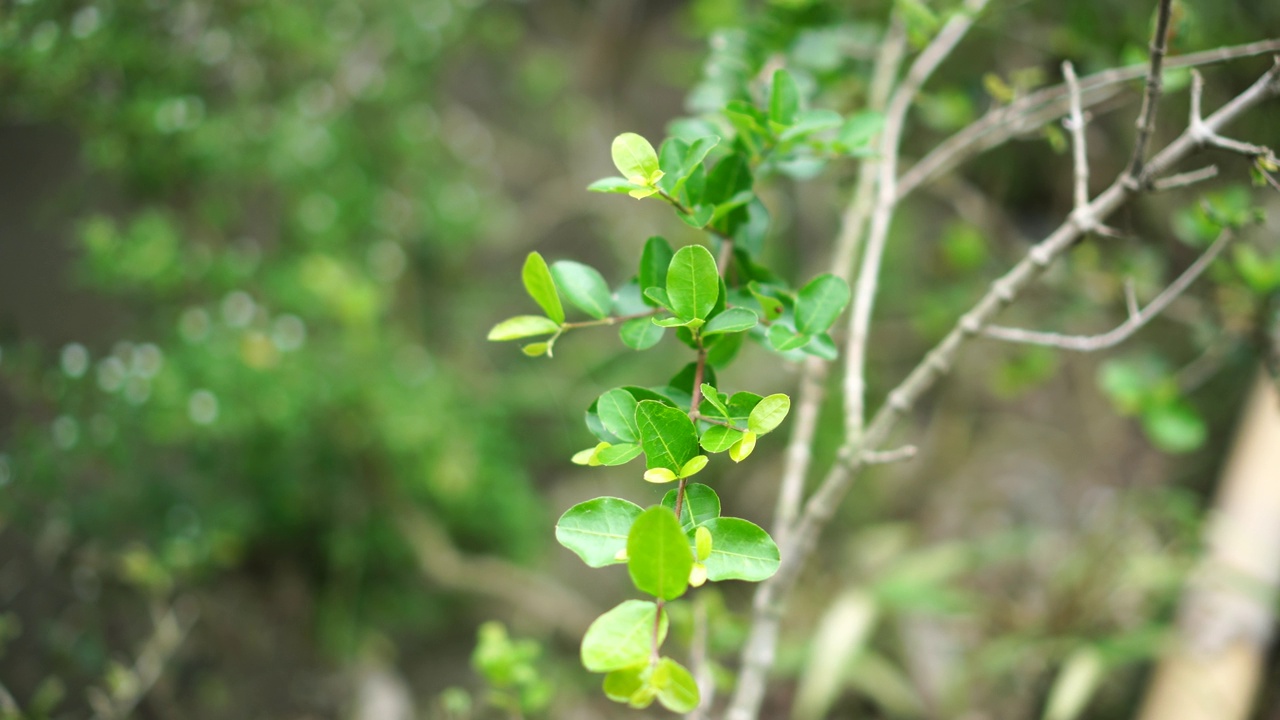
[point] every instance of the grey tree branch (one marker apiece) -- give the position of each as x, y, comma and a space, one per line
813, 376
1043, 106
171, 628
1137, 319
864, 293
758, 653
1075, 124
821, 507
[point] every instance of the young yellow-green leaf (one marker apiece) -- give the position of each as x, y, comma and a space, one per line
596, 530
730, 321
700, 505
583, 286
640, 333
658, 555
536, 349
740, 550
643, 192
522, 326
741, 450
693, 283
694, 466
636, 159
820, 302
622, 685
654, 261
540, 286
618, 185
659, 475
617, 410
698, 575
668, 436
620, 454
719, 438
784, 100
712, 396
783, 339
769, 413
677, 690
692, 323
623, 637
702, 543
584, 457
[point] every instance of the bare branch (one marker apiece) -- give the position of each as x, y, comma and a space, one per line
702, 672
171, 628
1043, 106
821, 506
1155, 84
813, 376
882, 457
1185, 179
1136, 320
1075, 124
864, 295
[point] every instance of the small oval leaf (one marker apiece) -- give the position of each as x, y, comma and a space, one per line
596, 530
584, 287
522, 326
538, 283
658, 554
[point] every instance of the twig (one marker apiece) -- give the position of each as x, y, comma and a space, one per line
1207, 136
1155, 84
1043, 106
1075, 124
553, 604
883, 457
698, 658
170, 631
821, 507
813, 377
1185, 179
757, 654
882, 214
1136, 320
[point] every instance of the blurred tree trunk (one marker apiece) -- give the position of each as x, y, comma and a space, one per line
1214, 667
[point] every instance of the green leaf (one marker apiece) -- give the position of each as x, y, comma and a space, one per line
636, 159
740, 550
640, 333
731, 321
820, 302
699, 218
536, 349
677, 322
783, 338
625, 684
654, 261
729, 177
523, 326
821, 345
693, 284
583, 286
677, 690
540, 286
623, 637
667, 435
702, 544
769, 413
711, 395
658, 554
719, 438
659, 296
597, 529
1174, 427
859, 129
620, 454
700, 505
618, 185
808, 122
784, 100
617, 410
771, 306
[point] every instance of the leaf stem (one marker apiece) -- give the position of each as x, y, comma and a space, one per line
608, 320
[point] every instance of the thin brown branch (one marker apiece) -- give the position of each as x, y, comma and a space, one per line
1137, 318
1155, 85
1043, 106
